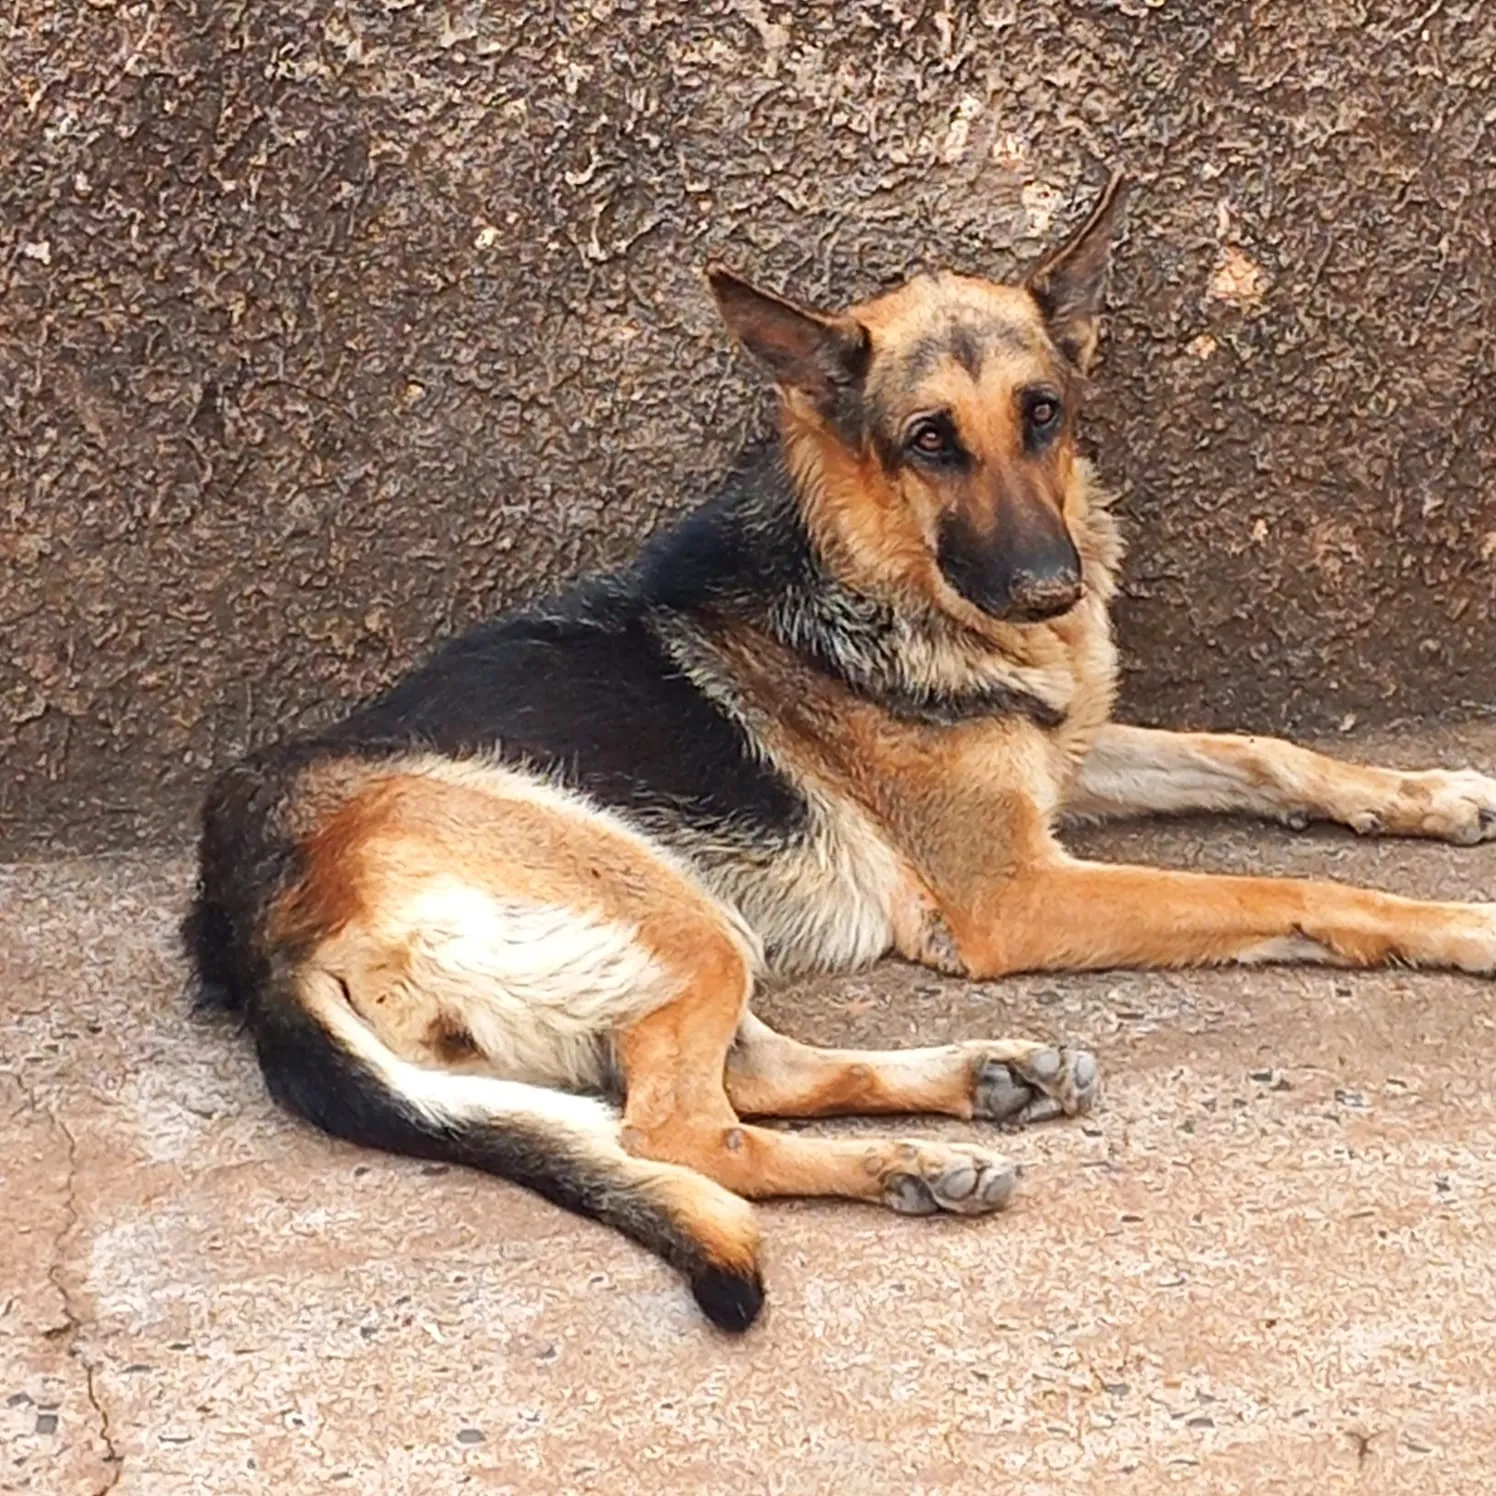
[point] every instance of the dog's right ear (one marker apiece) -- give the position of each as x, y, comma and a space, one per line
823, 356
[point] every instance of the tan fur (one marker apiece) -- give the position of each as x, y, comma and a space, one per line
489, 841
1072, 916
678, 1109
1135, 769
717, 1218
771, 1075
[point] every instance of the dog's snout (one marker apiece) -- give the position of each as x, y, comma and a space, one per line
1026, 571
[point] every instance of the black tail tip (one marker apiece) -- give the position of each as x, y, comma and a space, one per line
731, 1300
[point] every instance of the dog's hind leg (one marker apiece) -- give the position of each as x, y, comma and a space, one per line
677, 1109
1004, 1080
450, 967
1142, 771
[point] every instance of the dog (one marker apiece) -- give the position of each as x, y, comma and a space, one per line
511, 913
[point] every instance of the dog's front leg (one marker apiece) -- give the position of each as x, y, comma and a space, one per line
1060, 914
1140, 771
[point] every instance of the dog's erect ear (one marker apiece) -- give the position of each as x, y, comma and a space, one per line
802, 350
1069, 282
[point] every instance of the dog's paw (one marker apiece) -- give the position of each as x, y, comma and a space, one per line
1020, 1082
926, 1178
1473, 942
1453, 805
1461, 805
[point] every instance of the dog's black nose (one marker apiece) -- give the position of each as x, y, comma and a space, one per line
1035, 597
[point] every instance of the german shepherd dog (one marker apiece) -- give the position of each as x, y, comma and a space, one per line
511, 913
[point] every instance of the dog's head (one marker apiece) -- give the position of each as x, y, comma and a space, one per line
932, 429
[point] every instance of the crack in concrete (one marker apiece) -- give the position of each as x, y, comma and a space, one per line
71, 1330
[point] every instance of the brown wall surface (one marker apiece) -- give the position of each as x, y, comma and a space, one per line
327, 327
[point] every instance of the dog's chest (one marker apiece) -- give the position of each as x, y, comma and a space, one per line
903, 818
1092, 652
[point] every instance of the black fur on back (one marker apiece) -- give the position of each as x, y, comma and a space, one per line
585, 683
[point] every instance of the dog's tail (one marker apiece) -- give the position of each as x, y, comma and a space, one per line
324, 1063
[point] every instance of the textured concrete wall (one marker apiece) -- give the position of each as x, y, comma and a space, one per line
326, 327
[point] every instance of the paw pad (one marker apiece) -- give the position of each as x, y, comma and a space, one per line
1051, 1082
958, 1181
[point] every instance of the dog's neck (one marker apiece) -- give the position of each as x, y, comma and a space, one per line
912, 663
749, 557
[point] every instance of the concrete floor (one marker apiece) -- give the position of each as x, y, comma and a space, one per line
1267, 1264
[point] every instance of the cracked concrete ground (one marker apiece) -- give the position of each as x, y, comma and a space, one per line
1268, 1264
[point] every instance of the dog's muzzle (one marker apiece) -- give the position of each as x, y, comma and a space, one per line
1024, 572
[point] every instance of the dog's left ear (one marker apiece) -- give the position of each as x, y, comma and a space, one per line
824, 356
1069, 282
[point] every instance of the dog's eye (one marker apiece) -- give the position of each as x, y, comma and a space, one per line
1042, 412
931, 439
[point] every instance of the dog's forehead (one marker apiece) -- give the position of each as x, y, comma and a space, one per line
941, 327
926, 301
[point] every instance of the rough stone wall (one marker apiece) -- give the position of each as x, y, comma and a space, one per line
327, 327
